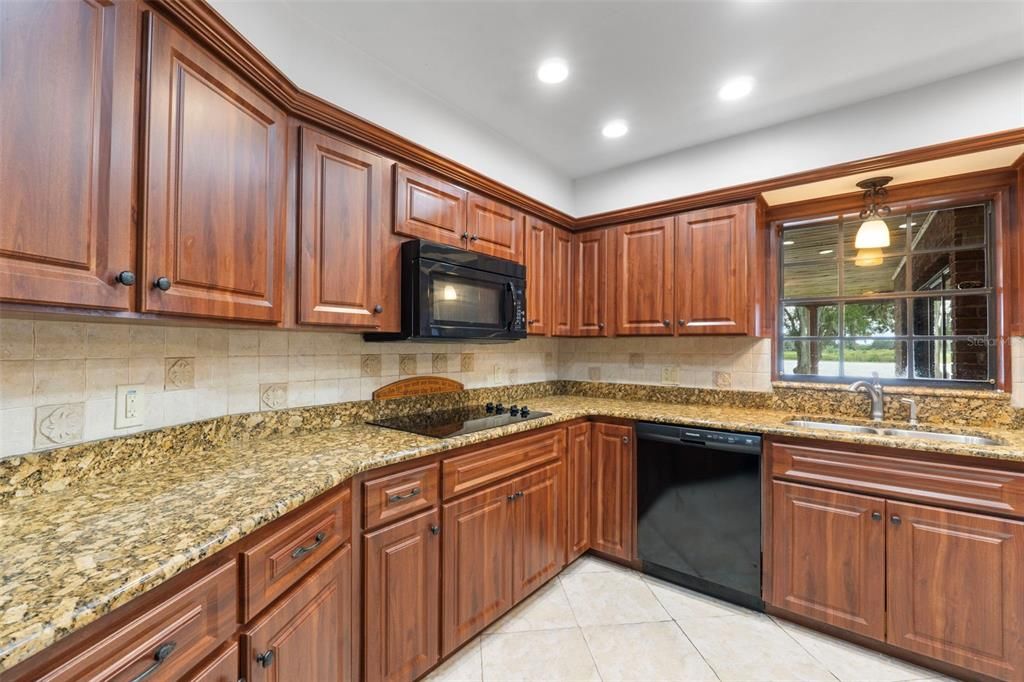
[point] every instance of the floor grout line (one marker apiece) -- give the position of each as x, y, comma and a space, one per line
695, 648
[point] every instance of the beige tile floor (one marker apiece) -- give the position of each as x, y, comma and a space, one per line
601, 621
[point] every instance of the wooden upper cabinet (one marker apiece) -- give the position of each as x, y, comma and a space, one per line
713, 262
613, 472
402, 596
540, 254
494, 228
429, 208
578, 459
305, 635
953, 587
561, 284
828, 557
214, 187
644, 254
67, 130
345, 247
591, 270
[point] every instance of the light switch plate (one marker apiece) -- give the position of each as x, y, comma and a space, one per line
129, 406
670, 375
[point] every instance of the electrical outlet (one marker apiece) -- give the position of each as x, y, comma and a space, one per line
129, 406
670, 375
498, 375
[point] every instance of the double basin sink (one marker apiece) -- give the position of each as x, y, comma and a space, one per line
895, 433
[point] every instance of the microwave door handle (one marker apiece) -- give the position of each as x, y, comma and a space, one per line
511, 304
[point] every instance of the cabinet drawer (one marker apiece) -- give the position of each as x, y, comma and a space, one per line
495, 462
388, 498
280, 561
955, 485
168, 639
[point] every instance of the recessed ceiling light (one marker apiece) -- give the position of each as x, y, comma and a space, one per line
736, 88
825, 252
553, 70
788, 243
616, 128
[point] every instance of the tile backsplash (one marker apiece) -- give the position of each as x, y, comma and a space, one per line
726, 363
58, 379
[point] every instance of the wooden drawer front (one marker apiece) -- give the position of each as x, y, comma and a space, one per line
990, 490
280, 561
489, 464
388, 498
181, 631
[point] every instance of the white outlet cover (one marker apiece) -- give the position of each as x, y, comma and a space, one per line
670, 375
129, 406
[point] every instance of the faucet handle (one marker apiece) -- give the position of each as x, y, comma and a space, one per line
913, 410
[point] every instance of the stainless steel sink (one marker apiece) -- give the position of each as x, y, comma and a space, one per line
896, 433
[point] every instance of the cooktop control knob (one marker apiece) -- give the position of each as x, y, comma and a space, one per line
524, 411
489, 407
514, 410
499, 409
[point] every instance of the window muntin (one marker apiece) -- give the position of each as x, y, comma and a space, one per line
921, 311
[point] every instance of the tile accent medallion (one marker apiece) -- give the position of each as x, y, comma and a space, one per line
370, 366
274, 396
468, 362
439, 363
59, 424
407, 365
180, 373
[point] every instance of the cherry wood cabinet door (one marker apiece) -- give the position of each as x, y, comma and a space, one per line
954, 587
591, 273
402, 593
612, 515
222, 667
562, 285
344, 243
540, 253
539, 540
305, 635
579, 489
644, 253
712, 288
494, 228
828, 557
213, 188
477, 563
67, 131
429, 208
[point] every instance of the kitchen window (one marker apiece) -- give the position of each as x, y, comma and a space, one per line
920, 311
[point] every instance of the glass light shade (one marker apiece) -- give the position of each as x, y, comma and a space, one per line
867, 258
873, 234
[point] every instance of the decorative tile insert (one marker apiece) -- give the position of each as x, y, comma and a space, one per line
636, 360
722, 379
370, 366
439, 363
407, 365
273, 396
179, 373
468, 362
59, 424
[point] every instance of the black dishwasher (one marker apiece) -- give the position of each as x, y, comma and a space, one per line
699, 509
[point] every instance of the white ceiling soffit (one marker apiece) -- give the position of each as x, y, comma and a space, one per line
659, 65
915, 172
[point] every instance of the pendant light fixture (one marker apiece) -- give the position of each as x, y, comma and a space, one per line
873, 232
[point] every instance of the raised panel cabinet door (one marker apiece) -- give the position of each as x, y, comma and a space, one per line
213, 188
67, 131
306, 634
644, 254
612, 515
477, 563
954, 587
591, 274
579, 489
494, 228
344, 243
539, 541
828, 557
221, 667
712, 266
429, 208
561, 286
402, 593
539, 271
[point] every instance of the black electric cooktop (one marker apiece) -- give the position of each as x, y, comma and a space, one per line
448, 423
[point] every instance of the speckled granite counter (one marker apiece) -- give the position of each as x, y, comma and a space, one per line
69, 556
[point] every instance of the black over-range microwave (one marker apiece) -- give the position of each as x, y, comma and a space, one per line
450, 293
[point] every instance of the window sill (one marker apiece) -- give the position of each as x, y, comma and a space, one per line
976, 394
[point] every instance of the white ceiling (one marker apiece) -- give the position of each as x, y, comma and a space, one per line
659, 64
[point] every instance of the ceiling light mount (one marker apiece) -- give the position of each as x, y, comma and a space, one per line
874, 194
873, 234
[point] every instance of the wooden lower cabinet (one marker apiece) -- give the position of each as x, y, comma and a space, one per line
613, 491
401, 593
954, 584
222, 667
477, 563
578, 498
305, 635
538, 542
829, 557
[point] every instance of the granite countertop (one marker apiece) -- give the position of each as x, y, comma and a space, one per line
70, 556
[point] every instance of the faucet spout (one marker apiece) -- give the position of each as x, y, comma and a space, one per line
874, 391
